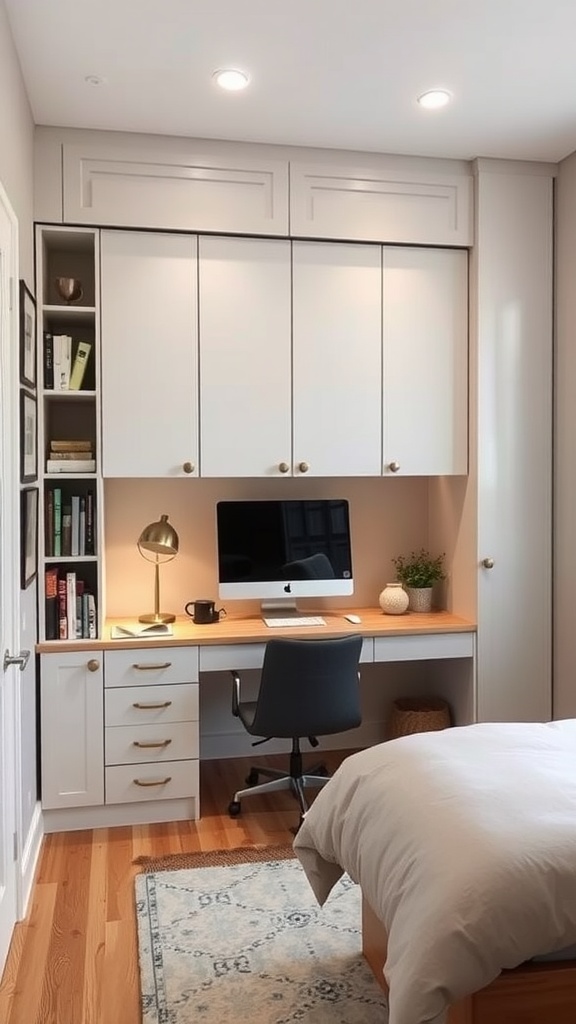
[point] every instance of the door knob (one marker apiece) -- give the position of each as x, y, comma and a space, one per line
188, 467
488, 563
16, 659
303, 467
93, 665
394, 467
284, 467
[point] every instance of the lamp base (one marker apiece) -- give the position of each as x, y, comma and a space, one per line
160, 617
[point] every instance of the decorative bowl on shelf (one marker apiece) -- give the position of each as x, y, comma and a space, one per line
69, 289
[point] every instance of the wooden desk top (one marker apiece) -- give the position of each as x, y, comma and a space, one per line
241, 629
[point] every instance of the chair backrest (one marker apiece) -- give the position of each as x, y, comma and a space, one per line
309, 687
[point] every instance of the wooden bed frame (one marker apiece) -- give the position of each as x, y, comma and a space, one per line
535, 993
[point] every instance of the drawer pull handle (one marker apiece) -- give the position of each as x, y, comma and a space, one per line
152, 668
153, 782
152, 706
160, 743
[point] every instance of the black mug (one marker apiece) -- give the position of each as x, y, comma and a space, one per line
204, 612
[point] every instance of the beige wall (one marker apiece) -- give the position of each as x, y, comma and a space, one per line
16, 145
565, 448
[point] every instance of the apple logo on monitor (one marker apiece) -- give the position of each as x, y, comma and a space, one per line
288, 588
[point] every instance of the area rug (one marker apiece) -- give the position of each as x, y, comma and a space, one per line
247, 941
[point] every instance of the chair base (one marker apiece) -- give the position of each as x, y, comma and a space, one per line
279, 780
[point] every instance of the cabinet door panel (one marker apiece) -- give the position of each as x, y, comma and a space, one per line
149, 354
425, 324
337, 338
245, 389
72, 716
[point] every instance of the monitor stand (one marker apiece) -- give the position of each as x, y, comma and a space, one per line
281, 609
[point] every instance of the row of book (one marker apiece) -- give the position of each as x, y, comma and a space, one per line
74, 456
70, 607
69, 524
65, 362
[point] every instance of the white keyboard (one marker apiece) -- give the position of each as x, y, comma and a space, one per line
297, 620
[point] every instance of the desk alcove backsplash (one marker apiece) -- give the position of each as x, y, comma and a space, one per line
386, 516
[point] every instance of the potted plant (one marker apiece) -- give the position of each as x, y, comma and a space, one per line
418, 572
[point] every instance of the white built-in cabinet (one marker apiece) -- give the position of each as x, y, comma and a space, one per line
149, 314
425, 372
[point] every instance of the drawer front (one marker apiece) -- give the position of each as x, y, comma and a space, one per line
150, 665
131, 744
222, 657
147, 705
126, 784
424, 647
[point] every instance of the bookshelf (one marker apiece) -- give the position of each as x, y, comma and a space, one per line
70, 589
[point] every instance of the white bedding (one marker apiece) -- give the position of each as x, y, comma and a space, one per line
464, 843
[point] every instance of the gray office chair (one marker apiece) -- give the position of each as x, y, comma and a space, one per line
307, 688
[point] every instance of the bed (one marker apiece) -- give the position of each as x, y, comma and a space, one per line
464, 844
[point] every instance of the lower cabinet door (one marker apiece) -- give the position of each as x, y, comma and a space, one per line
72, 724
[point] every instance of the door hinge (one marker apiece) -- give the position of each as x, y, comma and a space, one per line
15, 850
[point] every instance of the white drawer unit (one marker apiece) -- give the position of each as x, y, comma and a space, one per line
149, 705
425, 647
151, 665
134, 744
126, 784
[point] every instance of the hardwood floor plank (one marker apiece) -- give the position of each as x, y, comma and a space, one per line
74, 960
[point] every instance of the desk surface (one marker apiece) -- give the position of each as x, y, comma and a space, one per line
239, 629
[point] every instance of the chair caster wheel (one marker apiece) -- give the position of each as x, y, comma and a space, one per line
252, 777
234, 808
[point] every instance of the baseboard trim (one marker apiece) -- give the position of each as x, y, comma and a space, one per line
29, 861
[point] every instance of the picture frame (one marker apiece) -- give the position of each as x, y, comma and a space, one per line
28, 438
28, 536
28, 370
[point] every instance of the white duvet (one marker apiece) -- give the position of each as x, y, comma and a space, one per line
464, 843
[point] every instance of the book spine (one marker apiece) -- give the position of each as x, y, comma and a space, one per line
49, 524
57, 522
51, 603
65, 361
66, 544
71, 605
79, 367
71, 466
73, 445
79, 595
62, 614
90, 549
82, 528
75, 526
92, 623
48, 361
56, 357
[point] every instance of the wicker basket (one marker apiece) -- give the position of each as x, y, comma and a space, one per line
418, 714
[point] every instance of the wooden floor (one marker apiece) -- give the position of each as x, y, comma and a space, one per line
73, 960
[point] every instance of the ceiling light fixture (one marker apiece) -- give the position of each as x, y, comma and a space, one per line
433, 99
231, 79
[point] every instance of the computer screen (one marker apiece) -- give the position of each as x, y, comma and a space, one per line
281, 550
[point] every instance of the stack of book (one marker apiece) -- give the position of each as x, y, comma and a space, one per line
69, 523
70, 607
64, 362
71, 457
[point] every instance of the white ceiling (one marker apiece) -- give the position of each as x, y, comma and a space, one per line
329, 73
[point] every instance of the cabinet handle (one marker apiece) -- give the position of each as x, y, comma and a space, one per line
394, 467
93, 665
188, 467
152, 706
284, 467
303, 467
152, 782
152, 668
488, 563
161, 743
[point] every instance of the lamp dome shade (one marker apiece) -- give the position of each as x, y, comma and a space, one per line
159, 537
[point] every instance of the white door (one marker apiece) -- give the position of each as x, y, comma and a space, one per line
425, 318
9, 576
337, 359
245, 359
149, 327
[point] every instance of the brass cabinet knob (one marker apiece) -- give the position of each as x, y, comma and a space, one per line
188, 467
284, 467
393, 467
93, 665
303, 467
488, 563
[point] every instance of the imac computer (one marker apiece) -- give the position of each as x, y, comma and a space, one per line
278, 551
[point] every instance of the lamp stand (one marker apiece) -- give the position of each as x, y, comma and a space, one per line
157, 615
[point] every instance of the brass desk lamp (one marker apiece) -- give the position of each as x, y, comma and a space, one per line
158, 543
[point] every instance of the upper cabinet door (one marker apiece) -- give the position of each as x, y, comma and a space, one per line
337, 359
245, 362
425, 324
149, 312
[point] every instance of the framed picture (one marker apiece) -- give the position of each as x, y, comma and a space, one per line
27, 337
28, 536
28, 438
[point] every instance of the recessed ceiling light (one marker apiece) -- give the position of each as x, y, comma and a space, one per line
231, 79
94, 80
433, 99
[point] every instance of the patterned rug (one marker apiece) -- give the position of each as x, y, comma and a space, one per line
246, 941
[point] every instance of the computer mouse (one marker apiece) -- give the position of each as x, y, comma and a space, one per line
353, 618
